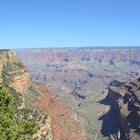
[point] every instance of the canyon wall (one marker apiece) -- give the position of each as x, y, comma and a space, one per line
14, 75
126, 101
12, 72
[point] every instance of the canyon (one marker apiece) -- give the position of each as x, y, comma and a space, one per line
87, 93
55, 119
80, 77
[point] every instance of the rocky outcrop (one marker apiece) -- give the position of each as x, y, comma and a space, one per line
126, 99
44, 129
12, 72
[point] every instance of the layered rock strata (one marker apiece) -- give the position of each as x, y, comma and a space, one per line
126, 99
12, 72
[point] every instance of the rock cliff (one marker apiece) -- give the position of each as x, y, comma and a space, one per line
12, 72
14, 75
126, 101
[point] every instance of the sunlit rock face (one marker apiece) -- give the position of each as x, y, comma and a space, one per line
12, 72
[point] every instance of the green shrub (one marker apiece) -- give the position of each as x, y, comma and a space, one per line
10, 128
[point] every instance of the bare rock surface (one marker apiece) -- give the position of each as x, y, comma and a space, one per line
126, 104
12, 71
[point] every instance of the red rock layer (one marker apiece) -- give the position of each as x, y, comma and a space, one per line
62, 121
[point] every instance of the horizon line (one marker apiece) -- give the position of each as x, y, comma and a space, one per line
77, 47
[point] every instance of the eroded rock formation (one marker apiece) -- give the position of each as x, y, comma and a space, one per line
126, 101
12, 72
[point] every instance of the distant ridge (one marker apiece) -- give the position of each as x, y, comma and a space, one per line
81, 47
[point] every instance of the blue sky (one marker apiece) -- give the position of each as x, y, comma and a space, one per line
69, 23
